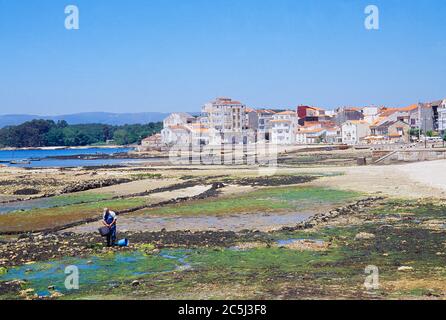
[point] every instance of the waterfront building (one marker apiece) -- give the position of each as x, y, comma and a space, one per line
283, 127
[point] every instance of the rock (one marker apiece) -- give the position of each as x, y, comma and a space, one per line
26, 292
364, 236
51, 288
405, 269
135, 283
56, 294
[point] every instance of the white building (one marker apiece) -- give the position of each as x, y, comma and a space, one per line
283, 127
442, 117
310, 136
370, 114
200, 135
178, 119
354, 130
179, 135
226, 120
333, 135
264, 124
176, 129
252, 119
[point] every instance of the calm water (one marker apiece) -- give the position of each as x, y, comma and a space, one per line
17, 155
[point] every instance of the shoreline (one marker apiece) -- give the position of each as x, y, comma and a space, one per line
68, 148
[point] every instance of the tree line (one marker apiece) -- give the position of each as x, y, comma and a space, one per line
47, 133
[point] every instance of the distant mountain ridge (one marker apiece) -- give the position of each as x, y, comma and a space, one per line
88, 118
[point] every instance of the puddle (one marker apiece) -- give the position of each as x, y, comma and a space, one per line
25, 205
104, 271
181, 259
51, 202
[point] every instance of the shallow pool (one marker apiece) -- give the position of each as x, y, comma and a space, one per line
96, 271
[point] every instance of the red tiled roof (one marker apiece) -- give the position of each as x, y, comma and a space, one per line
409, 108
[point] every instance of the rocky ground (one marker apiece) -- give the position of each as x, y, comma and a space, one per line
398, 226
25, 184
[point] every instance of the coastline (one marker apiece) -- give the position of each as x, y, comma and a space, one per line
68, 148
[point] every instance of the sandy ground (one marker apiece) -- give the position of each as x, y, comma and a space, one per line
415, 180
432, 174
412, 181
135, 187
239, 222
181, 193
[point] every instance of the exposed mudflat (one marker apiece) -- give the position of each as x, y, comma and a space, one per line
235, 222
308, 240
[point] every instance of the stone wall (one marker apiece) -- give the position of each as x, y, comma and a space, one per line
410, 156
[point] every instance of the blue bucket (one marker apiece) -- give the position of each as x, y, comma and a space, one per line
123, 243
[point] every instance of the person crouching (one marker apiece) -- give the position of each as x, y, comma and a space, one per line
109, 220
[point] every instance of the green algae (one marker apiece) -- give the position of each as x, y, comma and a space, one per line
282, 199
100, 272
272, 272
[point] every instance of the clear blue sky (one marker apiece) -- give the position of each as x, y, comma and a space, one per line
175, 55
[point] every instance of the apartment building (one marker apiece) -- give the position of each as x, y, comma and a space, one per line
226, 120
264, 124
283, 127
251, 119
442, 117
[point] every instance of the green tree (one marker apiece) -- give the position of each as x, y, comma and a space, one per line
415, 132
40, 133
55, 137
121, 137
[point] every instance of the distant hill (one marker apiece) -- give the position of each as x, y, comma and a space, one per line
88, 118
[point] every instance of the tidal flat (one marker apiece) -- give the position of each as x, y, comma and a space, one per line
401, 235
